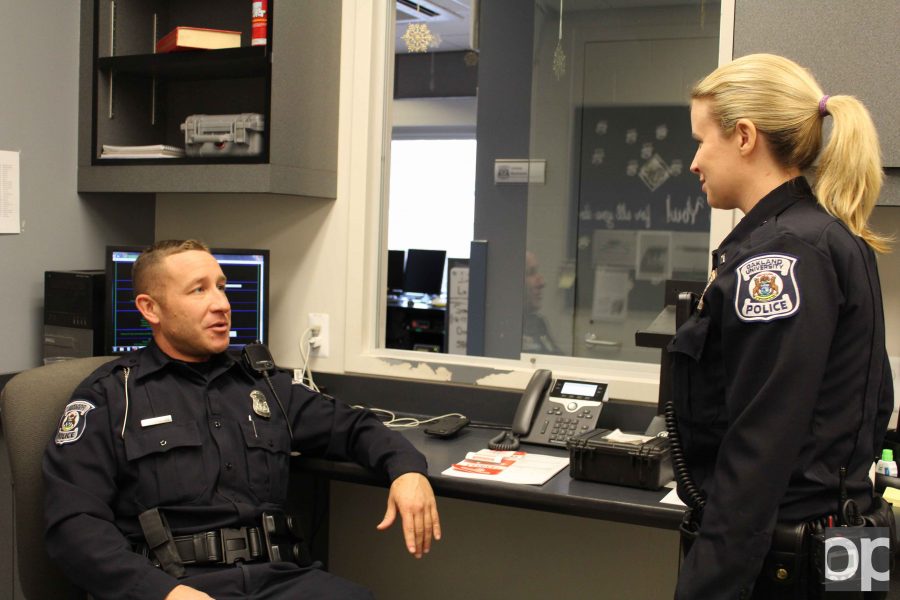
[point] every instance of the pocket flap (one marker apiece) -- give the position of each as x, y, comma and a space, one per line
690, 338
267, 435
161, 438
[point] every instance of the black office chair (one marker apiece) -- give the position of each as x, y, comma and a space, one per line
30, 407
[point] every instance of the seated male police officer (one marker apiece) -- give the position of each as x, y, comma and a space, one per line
170, 464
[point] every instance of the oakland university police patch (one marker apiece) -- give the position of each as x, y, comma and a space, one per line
766, 288
73, 422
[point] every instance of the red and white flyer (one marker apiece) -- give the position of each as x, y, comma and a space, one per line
508, 467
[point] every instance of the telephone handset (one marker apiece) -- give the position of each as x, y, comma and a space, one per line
550, 412
531, 397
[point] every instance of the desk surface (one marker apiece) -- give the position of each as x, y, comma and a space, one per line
562, 494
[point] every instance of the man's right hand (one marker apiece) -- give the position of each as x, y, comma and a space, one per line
183, 592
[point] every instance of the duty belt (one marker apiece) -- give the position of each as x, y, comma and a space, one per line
274, 540
221, 546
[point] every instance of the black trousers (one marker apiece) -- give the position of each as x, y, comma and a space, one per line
272, 581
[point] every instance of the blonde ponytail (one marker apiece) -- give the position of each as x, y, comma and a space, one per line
849, 175
783, 101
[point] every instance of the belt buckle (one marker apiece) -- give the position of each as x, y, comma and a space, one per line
235, 545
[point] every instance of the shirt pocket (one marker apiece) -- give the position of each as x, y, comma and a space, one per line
170, 463
268, 458
698, 382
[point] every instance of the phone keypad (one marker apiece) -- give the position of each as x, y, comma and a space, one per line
564, 427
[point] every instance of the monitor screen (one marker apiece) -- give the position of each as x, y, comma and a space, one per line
424, 272
396, 259
247, 288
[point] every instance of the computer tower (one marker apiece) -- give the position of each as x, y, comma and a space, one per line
73, 314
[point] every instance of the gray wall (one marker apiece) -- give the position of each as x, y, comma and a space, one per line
39, 118
60, 229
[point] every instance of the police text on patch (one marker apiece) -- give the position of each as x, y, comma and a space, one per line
766, 288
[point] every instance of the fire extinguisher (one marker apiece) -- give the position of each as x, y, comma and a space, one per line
259, 23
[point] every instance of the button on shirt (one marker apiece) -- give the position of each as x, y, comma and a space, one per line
779, 380
210, 462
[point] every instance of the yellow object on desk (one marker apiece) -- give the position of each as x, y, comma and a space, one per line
892, 495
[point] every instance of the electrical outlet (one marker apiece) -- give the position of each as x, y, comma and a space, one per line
319, 346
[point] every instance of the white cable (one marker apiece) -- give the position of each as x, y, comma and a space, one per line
395, 422
305, 371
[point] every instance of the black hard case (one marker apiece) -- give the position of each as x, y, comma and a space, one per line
594, 458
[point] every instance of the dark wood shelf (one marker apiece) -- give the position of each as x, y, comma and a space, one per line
248, 61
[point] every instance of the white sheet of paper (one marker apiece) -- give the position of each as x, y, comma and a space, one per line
627, 438
672, 498
9, 192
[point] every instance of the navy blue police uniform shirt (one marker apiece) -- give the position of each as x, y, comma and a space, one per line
779, 379
194, 446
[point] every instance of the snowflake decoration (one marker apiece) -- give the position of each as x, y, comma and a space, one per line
418, 37
559, 61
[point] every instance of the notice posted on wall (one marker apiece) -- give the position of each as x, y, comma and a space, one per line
9, 191
508, 467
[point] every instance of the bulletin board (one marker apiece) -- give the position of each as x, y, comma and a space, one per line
642, 217
635, 170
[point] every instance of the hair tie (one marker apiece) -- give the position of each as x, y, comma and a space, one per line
823, 110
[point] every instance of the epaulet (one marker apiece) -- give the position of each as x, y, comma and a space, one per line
128, 360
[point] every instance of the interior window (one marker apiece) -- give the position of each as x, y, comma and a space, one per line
576, 203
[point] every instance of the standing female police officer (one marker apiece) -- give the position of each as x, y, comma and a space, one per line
781, 376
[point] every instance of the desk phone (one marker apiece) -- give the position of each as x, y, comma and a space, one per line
552, 411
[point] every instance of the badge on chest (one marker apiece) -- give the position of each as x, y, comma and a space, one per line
260, 406
766, 288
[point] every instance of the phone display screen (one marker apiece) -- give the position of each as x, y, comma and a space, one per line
575, 388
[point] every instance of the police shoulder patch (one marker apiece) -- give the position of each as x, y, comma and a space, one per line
767, 288
73, 422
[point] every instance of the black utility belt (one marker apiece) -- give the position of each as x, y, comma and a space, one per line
223, 546
274, 540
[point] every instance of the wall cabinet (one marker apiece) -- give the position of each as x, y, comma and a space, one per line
851, 48
131, 96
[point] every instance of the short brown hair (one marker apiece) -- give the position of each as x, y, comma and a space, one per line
145, 273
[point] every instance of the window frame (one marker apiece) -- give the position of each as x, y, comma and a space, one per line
364, 173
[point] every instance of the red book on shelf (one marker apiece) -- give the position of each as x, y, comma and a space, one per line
198, 38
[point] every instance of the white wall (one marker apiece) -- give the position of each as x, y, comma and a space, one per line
308, 243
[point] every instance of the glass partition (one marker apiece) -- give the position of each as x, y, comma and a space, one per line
557, 136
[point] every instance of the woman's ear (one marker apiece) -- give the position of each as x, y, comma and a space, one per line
148, 307
747, 135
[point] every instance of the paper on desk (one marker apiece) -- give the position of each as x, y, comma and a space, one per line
672, 496
508, 467
627, 438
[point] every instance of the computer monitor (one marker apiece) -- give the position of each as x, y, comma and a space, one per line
424, 272
396, 259
247, 288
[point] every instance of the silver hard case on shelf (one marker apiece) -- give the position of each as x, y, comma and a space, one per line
223, 135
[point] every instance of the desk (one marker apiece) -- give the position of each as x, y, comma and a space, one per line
561, 494
565, 539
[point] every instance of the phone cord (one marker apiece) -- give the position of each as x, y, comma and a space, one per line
506, 440
686, 483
